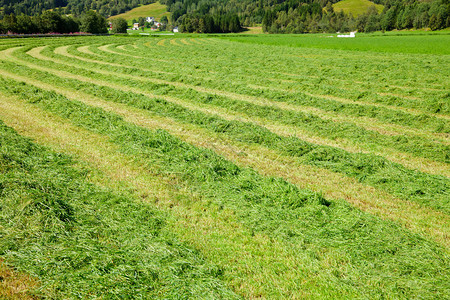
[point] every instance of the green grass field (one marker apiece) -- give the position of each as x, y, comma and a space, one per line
394, 42
356, 7
156, 10
225, 166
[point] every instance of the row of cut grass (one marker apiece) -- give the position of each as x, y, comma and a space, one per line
320, 231
362, 82
292, 93
325, 128
421, 220
430, 190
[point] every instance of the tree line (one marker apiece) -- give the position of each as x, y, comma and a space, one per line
301, 16
53, 22
312, 17
105, 8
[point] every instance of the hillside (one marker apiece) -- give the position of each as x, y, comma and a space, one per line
356, 7
156, 10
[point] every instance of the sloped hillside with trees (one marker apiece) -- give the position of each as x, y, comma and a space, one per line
298, 17
301, 16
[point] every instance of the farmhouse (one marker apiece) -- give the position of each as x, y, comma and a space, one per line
135, 26
175, 29
150, 19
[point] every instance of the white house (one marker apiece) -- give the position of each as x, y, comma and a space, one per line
150, 19
135, 26
175, 29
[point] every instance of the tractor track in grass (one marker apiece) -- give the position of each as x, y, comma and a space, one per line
349, 81
184, 41
174, 42
344, 81
85, 49
418, 219
364, 122
123, 48
161, 43
284, 130
362, 103
412, 162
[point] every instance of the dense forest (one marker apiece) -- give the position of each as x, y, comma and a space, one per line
53, 22
221, 16
300, 16
296, 17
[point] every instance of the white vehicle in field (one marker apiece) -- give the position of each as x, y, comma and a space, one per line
351, 35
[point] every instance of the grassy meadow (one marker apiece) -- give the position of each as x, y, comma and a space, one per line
225, 166
156, 10
356, 7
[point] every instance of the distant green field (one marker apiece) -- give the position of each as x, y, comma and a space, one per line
156, 10
355, 7
396, 42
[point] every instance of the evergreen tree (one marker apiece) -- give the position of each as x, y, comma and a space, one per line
388, 20
119, 25
92, 22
